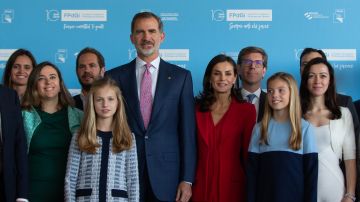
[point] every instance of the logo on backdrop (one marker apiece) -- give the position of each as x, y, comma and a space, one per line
166, 54
61, 56
132, 53
249, 15
52, 15
6, 53
84, 15
73, 19
298, 53
339, 16
217, 15
244, 19
341, 59
169, 16
340, 54
7, 16
315, 15
4, 56
175, 54
165, 16
232, 54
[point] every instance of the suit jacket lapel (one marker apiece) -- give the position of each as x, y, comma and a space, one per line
262, 99
133, 101
162, 86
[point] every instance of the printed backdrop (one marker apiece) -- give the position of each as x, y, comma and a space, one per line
195, 32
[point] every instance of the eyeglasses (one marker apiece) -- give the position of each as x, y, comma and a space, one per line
249, 63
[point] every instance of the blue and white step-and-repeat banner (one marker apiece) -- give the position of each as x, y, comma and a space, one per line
195, 31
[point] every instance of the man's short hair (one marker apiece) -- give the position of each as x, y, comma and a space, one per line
99, 56
311, 50
143, 15
252, 49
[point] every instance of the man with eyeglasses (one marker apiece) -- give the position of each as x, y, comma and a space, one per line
251, 67
342, 100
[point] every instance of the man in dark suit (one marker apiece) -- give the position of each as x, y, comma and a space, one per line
251, 67
13, 161
90, 66
342, 100
161, 114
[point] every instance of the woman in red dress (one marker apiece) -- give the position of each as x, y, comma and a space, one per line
224, 126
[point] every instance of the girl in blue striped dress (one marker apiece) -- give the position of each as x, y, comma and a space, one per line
102, 161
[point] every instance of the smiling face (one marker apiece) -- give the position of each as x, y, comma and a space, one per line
89, 70
147, 38
278, 94
222, 77
318, 80
105, 103
48, 83
21, 70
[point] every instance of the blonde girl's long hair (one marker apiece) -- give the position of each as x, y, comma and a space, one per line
294, 112
122, 138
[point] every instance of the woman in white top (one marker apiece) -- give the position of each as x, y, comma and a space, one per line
334, 132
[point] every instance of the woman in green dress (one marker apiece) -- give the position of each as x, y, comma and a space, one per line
49, 122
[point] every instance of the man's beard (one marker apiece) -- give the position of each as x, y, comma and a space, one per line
85, 87
147, 52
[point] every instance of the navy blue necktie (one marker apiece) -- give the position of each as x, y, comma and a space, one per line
250, 97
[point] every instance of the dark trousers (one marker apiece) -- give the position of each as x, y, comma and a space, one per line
2, 195
146, 192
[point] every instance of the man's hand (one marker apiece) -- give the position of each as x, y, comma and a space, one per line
183, 192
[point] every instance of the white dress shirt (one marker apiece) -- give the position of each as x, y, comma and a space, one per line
255, 101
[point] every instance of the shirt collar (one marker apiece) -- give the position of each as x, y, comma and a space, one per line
155, 63
244, 92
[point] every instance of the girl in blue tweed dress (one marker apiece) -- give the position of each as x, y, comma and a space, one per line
283, 160
102, 161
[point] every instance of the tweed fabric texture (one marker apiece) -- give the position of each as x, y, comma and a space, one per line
83, 174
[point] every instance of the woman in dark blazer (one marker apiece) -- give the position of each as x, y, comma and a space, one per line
13, 161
